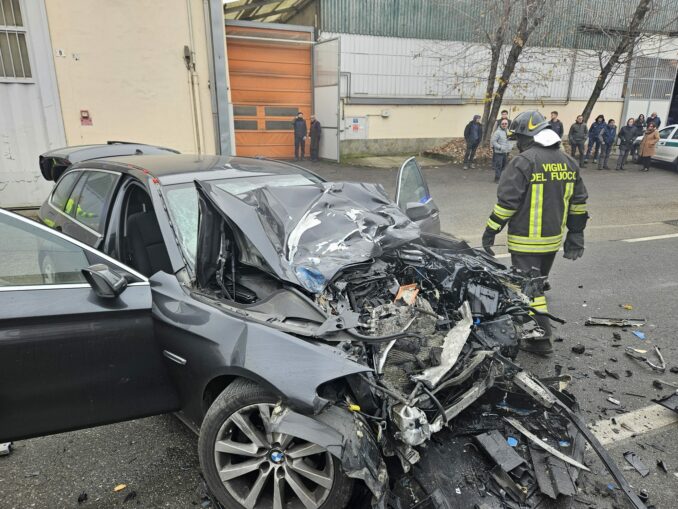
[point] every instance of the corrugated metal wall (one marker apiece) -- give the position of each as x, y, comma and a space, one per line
469, 20
416, 68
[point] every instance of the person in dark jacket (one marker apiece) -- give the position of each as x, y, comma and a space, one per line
300, 131
577, 138
655, 120
607, 135
640, 124
594, 142
539, 193
556, 124
473, 133
504, 116
627, 135
315, 132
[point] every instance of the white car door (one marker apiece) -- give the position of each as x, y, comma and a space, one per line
662, 148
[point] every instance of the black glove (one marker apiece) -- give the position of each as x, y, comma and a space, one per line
488, 240
574, 245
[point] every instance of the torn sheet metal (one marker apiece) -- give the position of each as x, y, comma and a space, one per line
615, 322
544, 445
635, 461
495, 445
638, 354
454, 343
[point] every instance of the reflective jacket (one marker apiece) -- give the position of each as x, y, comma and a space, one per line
539, 192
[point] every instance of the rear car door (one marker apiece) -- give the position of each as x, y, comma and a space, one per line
414, 199
70, 358
83, 213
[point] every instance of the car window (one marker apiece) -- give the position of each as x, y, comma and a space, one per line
665, 133
33, 256
95, 195
675, 135
63, 189
412, 186
182, 202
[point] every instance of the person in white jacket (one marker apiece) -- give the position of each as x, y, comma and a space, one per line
501, 147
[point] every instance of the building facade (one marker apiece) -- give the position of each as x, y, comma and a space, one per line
412, 74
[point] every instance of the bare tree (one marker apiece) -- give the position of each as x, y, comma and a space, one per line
531, 16
627, 40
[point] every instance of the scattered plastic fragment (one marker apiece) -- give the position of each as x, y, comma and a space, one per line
82, 497
657, 384
639, 334
662, 465
616, 336
615, 322
626, 306
636, 463
629, 373
578, 349
670, 402
6, 449
614, 401
130, 496
674, 369
564, 443
643, 495
599, 373
119, 487
613, 359
612, 374
512, 441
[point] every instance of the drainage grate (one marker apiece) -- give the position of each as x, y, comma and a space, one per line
672, 222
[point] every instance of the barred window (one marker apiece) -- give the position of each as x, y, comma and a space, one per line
14, 62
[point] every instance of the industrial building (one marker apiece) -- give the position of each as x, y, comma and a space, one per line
204, 76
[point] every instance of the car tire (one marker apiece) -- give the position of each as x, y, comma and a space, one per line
242, 406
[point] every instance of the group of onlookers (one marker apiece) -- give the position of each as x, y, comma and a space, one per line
601, 137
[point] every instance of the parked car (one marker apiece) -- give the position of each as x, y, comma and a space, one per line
309, 331
667, 146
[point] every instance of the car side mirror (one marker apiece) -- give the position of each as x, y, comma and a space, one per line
105, 283
416, 211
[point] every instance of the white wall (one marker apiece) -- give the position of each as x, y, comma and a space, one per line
398, 67
30, 117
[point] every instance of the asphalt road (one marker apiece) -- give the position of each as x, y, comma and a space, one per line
156, 457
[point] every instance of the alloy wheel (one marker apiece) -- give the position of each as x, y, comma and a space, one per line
262, 469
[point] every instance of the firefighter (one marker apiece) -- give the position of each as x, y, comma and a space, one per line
539, 193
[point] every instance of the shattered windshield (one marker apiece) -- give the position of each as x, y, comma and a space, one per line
182, 202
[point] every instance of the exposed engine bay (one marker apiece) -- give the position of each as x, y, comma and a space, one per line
442, 416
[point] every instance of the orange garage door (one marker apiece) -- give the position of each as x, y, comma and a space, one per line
270, 82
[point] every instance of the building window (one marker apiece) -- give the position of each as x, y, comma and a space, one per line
14, 63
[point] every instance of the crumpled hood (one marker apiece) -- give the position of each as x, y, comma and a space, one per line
308, 233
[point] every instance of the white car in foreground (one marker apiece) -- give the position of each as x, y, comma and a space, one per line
667, 146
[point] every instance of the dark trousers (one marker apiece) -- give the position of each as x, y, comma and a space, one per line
593, 143
299, 147
645, 161
315, 147
604, 155
470, 152
624, 152
579, 145
634, 152
543, 264
499, 161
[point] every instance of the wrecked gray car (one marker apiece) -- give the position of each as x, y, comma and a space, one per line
329, 352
